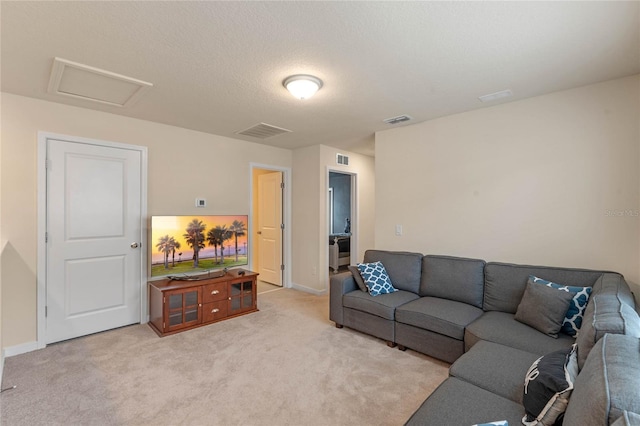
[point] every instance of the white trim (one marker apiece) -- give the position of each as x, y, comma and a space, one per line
331, 212
306, 289
20, 349
354, 213
1, 365
41, 268
286, 171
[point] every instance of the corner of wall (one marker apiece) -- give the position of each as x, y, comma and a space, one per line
310, 290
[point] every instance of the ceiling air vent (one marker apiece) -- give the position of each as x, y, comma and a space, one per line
398, 119
342, 159
263, 131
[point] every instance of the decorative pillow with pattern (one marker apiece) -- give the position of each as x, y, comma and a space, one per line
376, 278
548, 386
573, 320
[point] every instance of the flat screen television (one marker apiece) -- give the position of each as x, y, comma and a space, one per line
184, 245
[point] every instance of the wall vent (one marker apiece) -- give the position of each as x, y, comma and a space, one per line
342, 159
263, 131
398, 119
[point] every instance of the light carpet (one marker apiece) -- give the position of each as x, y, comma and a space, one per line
284, 365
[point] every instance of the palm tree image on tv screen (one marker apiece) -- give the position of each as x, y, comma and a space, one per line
191, 244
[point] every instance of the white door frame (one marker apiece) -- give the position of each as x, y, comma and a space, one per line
354, 214
41, 274
286, 219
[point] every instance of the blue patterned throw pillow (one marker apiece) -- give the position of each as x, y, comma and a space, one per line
573, 318
376, 278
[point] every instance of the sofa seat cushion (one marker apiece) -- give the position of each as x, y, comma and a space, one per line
501, 327
383, 305
442, 316
608, 384
456, 402
496, 368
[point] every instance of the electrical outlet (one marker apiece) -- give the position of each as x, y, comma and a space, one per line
201, 202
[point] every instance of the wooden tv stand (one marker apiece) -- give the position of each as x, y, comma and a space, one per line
177, 305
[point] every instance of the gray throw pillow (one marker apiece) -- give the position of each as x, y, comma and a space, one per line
543, 308
356, 276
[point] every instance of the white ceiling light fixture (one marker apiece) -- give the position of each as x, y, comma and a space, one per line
302, 86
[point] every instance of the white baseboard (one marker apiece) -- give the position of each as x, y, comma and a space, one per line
308, 289
20, 349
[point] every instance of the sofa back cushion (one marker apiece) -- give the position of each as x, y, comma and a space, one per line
402, 267
608, 384
613, 283
605, 313
505, 283
453, 278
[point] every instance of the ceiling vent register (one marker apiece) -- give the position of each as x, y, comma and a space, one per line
342, 159
398, 119
263, 131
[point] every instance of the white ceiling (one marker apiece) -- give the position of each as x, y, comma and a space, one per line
218, 67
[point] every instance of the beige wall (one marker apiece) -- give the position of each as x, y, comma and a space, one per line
311, 168
551, 180
183, 165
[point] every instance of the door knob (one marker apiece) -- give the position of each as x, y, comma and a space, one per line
134, 245
259, 232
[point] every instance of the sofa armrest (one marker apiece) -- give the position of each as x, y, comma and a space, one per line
339, 285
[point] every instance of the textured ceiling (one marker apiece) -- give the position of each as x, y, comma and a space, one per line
218, 67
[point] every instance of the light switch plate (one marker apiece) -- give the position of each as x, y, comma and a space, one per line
201, 202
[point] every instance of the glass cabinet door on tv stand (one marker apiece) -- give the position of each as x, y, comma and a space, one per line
241, 296
183, 308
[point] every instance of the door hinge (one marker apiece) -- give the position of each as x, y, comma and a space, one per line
46, 237
282, 267
47, 164
281, 185
282, 226
46, 311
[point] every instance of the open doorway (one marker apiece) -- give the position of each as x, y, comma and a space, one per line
341, 221
270, 236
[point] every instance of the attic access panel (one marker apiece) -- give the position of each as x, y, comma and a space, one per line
93, 84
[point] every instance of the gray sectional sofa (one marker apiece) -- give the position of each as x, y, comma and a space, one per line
463, 311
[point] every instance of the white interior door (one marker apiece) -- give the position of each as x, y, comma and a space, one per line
270, 227
93, 238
